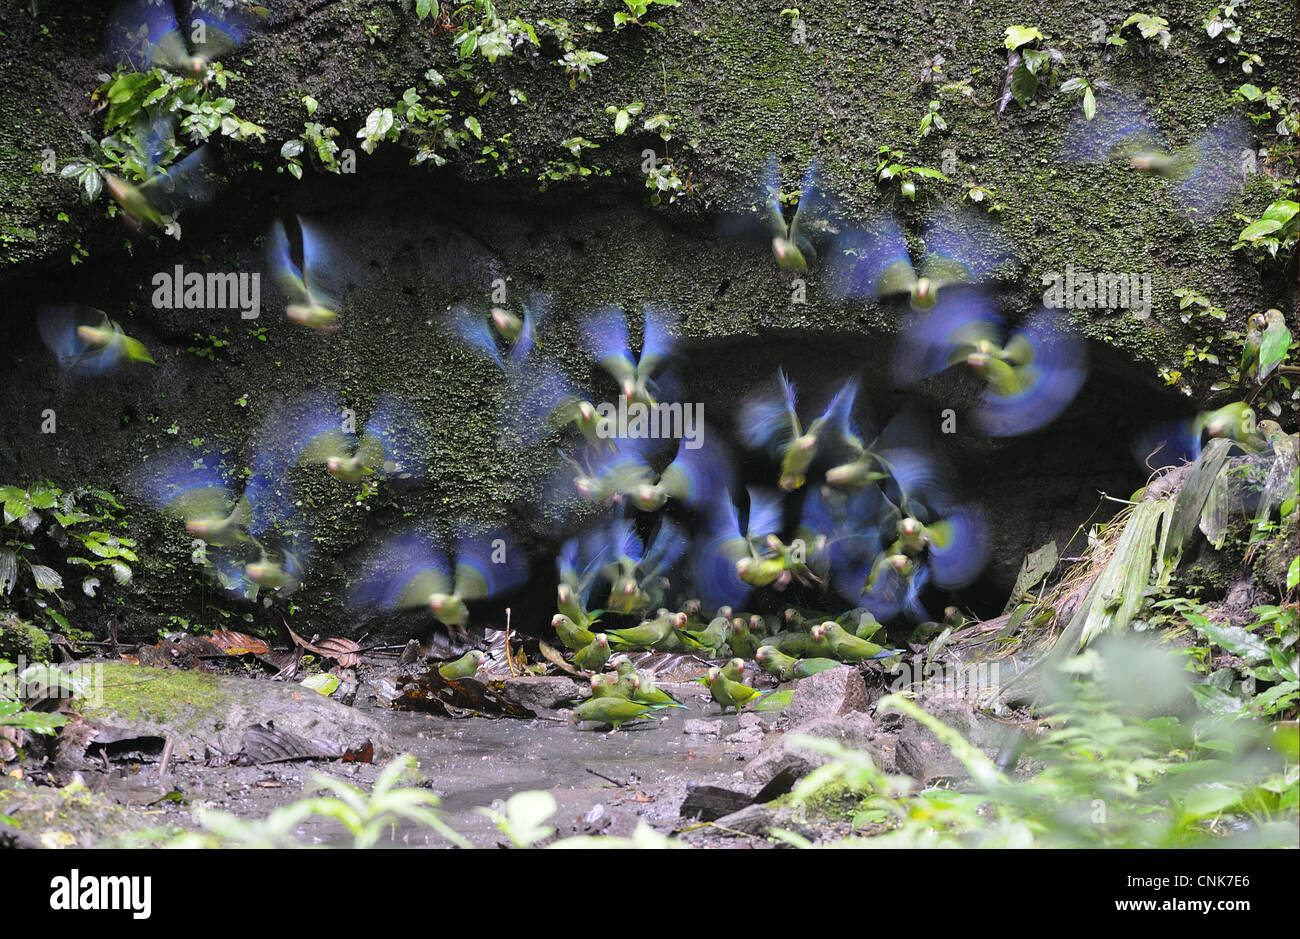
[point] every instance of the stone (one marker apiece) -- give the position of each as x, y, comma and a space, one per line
697, 727
783, 757
709, 803
920, 754
828, 694
540, 692
745, 736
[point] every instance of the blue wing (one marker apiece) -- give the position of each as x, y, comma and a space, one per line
767, 419
928, 339
137, 27
859, 258
960, 560
1120, 124
1058, 371
1218, 175
606, 332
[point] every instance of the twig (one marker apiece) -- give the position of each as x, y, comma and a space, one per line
164, 762
621, 785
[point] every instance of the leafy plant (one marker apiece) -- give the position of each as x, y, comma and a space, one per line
14, 710
891, 165
1035, 62
1222, 22
636, 9
623, 116
1151, 27
932, 120
42, 520
1081, 87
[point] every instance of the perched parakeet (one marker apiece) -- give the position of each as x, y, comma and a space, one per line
874, 263
770, 421
1249, 368
1031, 377
606, 333
788, 668
466, 666
642, 689
647, 635
847, 647
592, 657
612, 710
740, 638
1204, 176
607, 686
734, 670
1274, 343
145, 34
712, 638
307, 303
86, 341
391, 445
410, 571
729, 694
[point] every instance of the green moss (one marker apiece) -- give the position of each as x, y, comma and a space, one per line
154, 695
833, 802
19, 640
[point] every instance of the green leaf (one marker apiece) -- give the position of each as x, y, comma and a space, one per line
1024, 85
1234, 639
423, 8
1089, 105
9, 570
1017, 36
322, 682
474, 128
46, 578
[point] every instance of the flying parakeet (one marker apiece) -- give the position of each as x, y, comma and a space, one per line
391, 445
962, 250
1204, 176
145, 34
696, 475
410, 571
519, 332
606, 334
1030, 377
793, 243
86, 341
770, 421
307, 302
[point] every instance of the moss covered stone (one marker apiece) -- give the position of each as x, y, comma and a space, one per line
19, 640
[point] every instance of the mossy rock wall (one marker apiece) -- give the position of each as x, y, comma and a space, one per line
413, 241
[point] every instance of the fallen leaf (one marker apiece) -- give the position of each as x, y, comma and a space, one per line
233, 643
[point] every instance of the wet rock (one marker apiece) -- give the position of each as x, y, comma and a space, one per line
827, 694
745, 737
709, 803
540, 692
752, 820
750, 719
697, 727
204, 713
783, 757
919, 754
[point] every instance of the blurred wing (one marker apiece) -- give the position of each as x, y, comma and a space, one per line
1119, 127
186, 485
959, 549
319, 261
185, 184
402, 574
395, 438
769, 420
606, 332
143, 34
929, 340
766, 513
773, 214
488, 564
961, 247
658, 343
1044, 388
286, 272
1219, 171
871, 263
474, 331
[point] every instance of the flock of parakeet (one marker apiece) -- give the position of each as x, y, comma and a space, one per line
661, 548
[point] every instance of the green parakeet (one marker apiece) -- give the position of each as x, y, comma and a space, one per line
729, 694
592, 657
466, 666
611, 710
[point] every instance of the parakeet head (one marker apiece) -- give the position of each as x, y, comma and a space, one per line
1258, 321
94, 336
738, 664
506, 323
712, 676
679, 620
764, 654
602, 640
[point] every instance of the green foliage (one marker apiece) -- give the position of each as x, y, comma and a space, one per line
42, 682
932, 120
636, 9
1083, 89
1152, 28
1035, 63
44, 526
489, 36
316, 140
623, 116
522, 817
1223, 22
1018, 36
891, 165
1123, 763
363, 816
132, 99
